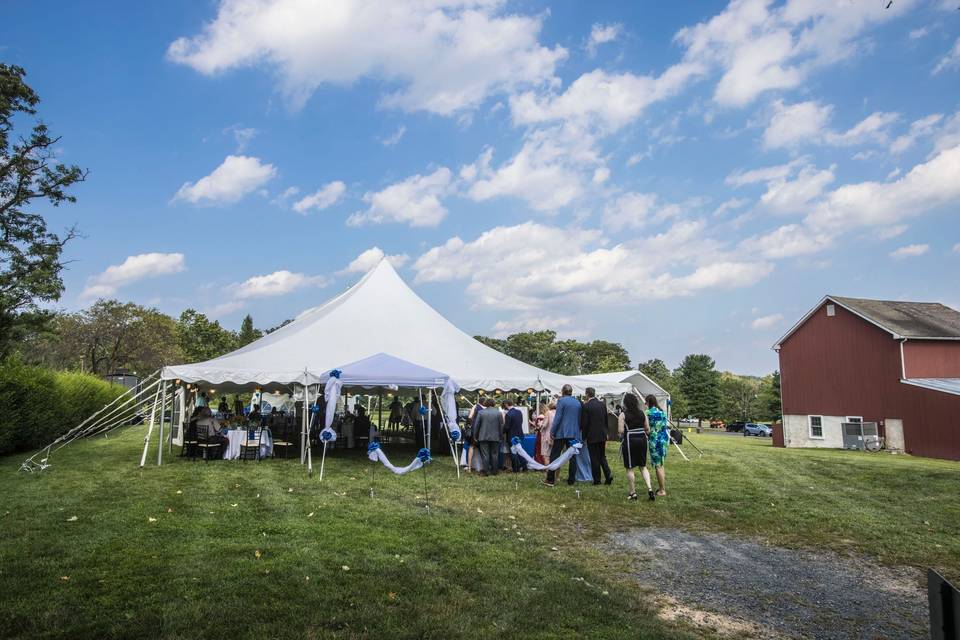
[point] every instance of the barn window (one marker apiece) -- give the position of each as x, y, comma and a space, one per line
816, 426
831, 310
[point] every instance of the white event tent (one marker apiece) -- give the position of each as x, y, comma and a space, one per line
379, 314
636, 379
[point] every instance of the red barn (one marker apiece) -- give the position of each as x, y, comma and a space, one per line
896, 364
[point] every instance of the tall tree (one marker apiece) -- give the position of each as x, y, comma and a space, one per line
247, 333
570, 357
107, 336
30, 254
699, 382
203, 339
770, 397
739, 398
657, 370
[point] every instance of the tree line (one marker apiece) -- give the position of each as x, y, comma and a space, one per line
110, 335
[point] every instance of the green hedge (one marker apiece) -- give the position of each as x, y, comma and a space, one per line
37, 405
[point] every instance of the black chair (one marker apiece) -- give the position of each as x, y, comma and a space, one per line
283, 436
250, 445
189, 448
207, 442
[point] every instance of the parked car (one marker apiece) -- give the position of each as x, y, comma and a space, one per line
753, 429
736, 427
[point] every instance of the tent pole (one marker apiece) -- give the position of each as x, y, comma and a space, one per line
170, 430
146, 440
380, 412
453, 445
163, 413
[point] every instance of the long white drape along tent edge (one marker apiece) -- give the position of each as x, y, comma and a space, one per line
379, 314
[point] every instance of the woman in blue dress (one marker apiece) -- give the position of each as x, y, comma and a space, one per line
659, 440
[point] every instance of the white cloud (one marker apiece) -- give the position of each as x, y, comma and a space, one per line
415, 201
371, 257
730, 205
601, 175
133, 269
916, 34
886, 233
956, 248
910, 251
787, 241
236, 177
563, 325
394, 137
918, 129
274, 284
599, 98
925, 187
324, 197
550, 170
765, 322
741, 178
475, 48
873, 128
796, 123
787, 196
759, 46
242, 135
635, 210
950, 60
602, 34
531, 265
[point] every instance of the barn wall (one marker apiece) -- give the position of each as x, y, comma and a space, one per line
931, 423
932, 358
840, 366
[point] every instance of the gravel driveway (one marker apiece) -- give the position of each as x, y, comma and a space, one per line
786, 592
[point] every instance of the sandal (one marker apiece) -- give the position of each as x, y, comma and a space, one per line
653, 496
632, 497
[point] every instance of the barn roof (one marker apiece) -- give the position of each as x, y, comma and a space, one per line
907, 319
914, 320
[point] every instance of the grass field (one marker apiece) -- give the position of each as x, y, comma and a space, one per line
234, 549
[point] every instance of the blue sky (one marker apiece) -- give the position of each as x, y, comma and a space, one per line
678, 177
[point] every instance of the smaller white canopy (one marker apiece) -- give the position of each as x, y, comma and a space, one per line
385, 370
640, 381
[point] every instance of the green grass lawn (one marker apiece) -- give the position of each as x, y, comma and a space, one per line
246, 549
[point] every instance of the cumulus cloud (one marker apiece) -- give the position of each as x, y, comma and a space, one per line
758, 46
765, 322
274, 284
635, 210
530, 265
740, 178
133, 269
918, 129
873, 128
950, 61
475, 48
551, 170
794, 195
795, 123
602, 98
415, 201
325, 197
910, 251
242, 135
370, 258
394, 137
787, 241
236, 177
602, 34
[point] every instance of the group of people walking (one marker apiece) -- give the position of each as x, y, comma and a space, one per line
643, 429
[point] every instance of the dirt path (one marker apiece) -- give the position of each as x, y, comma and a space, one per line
753, 589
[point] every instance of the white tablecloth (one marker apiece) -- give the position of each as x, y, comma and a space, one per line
237, 436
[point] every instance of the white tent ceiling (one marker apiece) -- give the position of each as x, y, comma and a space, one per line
378, 314
636, 379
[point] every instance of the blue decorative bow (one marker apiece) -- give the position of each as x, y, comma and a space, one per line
424, 455
422, 410
455, 435
515, 440
336, 373
326, 435
373, 447
572, 442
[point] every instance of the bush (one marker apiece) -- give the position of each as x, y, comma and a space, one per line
37, 405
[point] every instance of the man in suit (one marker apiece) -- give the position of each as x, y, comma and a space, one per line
566, 425
488, 434
593, 423
513, 425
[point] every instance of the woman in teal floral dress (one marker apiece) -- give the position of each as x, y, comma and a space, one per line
659, 440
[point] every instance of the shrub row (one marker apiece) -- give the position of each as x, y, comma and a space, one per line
37, 405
